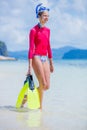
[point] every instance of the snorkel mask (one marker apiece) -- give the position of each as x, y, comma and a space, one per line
40, 8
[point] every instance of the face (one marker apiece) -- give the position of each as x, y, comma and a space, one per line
44, 17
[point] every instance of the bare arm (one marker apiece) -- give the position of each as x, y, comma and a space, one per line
51, 65
29, 66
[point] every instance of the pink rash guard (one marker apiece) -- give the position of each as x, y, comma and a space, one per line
39, 42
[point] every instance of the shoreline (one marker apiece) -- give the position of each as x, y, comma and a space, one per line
7, 58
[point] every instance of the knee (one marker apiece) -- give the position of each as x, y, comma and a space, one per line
46, 85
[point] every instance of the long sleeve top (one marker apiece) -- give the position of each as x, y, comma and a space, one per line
39, 42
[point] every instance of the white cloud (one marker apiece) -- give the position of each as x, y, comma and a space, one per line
45, 2
80, 5
69, 27
68, 22
16, 12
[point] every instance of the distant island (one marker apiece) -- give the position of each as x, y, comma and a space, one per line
67, 52
64, 53
76, 54
70, 53
4, 52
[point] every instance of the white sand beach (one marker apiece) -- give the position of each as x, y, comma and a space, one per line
64, 104
7, 58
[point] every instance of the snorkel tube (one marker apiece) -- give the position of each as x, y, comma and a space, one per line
40, 8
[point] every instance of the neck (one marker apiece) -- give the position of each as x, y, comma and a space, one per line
41, 24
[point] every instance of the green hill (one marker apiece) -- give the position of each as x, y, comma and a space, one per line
3, 49
66, 52
59, 52
76, 54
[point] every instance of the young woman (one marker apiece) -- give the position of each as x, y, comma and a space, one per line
40, 54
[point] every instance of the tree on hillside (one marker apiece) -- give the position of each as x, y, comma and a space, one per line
3, 49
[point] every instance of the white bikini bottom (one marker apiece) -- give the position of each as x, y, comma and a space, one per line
42, 58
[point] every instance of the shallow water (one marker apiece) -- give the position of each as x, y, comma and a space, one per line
64, 104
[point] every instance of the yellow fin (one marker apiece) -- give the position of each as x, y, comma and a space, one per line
20, 98
33, 99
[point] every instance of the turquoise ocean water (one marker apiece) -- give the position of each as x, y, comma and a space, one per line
64, 104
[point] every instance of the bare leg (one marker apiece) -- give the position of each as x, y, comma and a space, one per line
42, 72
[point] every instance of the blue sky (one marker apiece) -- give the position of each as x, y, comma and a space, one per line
67, 21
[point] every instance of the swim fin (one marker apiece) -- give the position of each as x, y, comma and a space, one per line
33, 99
22, 92
32, 94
